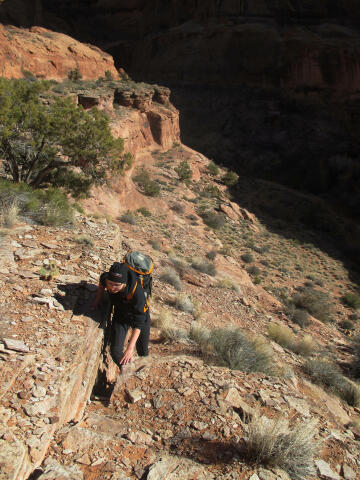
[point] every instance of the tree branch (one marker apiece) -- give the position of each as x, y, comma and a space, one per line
45, 171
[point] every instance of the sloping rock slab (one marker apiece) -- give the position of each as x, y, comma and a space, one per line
177, 468
73, 387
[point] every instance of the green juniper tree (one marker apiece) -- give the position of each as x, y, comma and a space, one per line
46, 140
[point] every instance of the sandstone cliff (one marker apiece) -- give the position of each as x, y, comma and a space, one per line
50, 55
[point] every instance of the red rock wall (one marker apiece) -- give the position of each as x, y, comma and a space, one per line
49, 55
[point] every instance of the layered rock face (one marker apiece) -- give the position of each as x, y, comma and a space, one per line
141, 114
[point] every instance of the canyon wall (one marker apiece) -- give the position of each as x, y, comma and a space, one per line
267, 87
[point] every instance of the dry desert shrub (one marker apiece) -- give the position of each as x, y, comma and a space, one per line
84, 240
184, 303
351, 300
330, 376
227, 283
212, 219
170, 276
356, 360
9, 213
316, 302
178, 262
281, 335
232, 348
247, 257
305, 347
211, 255
155, 243
204, 266
301, 317
274, 443
168, 332
128, 217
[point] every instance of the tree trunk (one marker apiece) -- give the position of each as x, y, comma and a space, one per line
11, 159
34, 162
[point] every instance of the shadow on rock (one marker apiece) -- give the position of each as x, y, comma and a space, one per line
206, 451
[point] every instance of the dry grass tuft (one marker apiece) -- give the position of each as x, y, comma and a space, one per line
9, 214
171, 277
168, 333
274, 443
330, 376
203, 265
184, 303
228, 284
281, 335
232, 348
305, 347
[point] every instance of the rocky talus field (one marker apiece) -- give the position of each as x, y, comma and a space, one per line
67, 413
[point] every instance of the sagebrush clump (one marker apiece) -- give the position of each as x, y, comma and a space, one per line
273, 443
168, 332
171, 276
212, 219
351, 300
281, 335
184, 303
232, 348
128, 217
301, 317
149, 186
316, 302
330, 376
204, 266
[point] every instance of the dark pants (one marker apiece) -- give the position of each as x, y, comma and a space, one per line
118, 335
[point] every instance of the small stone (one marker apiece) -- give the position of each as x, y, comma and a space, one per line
266, 474
325, 471
38, 392
348, 473
8, 437
135, 395
254, 476
54, 419
84, 460
39, 408
233, 397
139, 438
17, 345
50, 246
33, 442
27, 319
199, 425
28, 275
46, 292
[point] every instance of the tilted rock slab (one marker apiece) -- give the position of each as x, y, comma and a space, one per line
19, 457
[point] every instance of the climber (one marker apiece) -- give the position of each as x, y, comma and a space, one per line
130, 311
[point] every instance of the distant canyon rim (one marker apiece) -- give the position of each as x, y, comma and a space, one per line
269, 88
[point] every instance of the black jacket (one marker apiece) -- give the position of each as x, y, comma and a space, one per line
134, 311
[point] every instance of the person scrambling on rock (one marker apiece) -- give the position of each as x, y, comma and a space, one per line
131, 310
